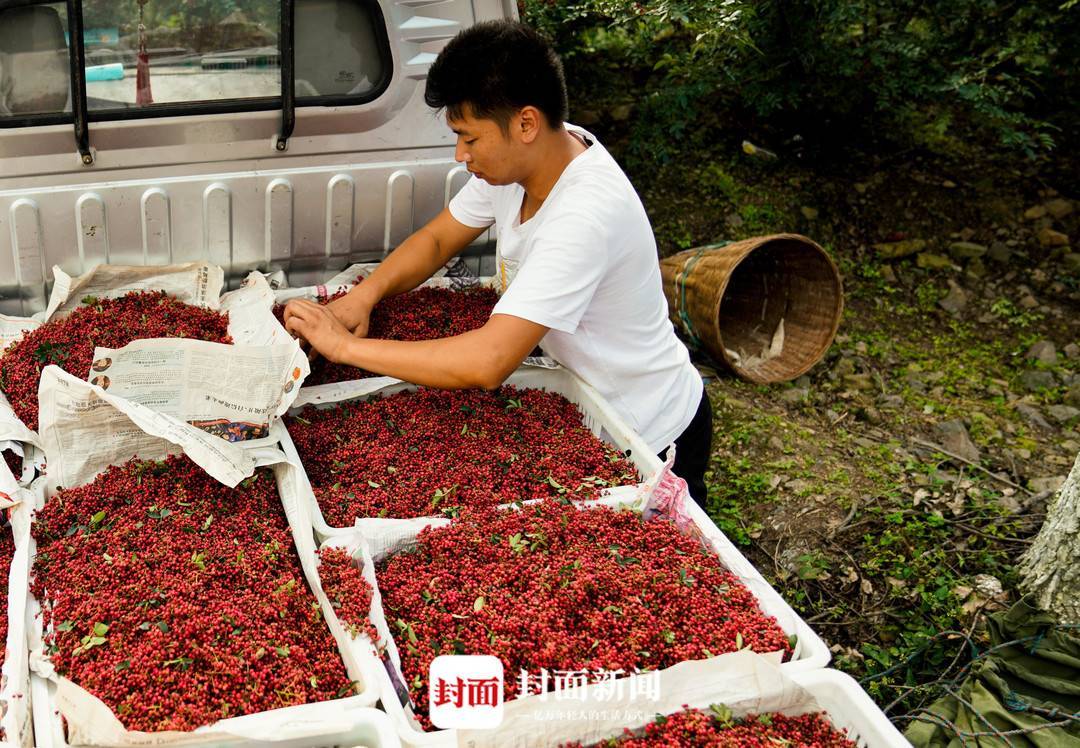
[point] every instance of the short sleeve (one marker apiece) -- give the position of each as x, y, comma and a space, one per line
474, 204
558, 278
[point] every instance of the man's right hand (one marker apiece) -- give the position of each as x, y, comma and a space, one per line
353, 311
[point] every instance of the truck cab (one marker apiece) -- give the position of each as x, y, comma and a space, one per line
255, 134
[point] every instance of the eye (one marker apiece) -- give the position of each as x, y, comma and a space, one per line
470, 141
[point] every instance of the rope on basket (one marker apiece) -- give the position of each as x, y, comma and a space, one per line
680, 283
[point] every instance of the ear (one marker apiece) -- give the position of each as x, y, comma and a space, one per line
528, 123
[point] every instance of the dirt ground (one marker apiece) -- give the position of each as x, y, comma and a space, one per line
888, 493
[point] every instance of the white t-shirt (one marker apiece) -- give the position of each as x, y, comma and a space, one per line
585, 266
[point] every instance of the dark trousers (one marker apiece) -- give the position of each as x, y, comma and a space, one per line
692, 449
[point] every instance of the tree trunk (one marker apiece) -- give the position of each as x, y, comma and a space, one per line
1050, 569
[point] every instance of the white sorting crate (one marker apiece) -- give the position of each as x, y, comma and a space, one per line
375, 535
597, 415
331, 723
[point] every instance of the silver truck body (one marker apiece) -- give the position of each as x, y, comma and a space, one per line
353, 182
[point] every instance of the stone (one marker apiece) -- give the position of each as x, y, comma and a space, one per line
1072, 351
966, 250
1063, 413
809, 213
775, 442
930, 261
1043, 352
1058, 208
999, 251
1049, 484
1028, 301
870, 414
955, 300
1034, 380
976, 269
949, 184
843, 368
1071, 260
794, 395
734, 220
965, 234
955, 438
1072, 395
804, 381
889, 276
860, 188
621, 113
1035, 212
895, 250
891, 402
1050, 238
1032, 417
859, 381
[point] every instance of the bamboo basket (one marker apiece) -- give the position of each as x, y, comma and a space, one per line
767, 308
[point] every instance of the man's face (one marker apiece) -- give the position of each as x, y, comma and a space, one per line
485, 148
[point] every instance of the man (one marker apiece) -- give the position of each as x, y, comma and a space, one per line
575, 256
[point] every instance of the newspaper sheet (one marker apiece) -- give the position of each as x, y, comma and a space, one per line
196, 283
231, 391
251, 321
13, 328
84, 429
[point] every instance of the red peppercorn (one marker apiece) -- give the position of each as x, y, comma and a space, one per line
564, 589
430, 452
69, 342
178, 601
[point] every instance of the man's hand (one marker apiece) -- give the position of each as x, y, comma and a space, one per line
320, 327
353, 312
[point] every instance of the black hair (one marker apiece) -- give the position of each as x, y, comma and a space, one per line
496, 68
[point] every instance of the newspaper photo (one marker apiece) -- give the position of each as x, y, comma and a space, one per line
84, 429
231, 391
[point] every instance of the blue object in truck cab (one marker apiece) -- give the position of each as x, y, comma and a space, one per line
91, 37
111, 72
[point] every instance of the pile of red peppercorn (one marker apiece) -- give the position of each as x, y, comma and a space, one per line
178, 601
7, 552
427, 452
423, 314
693, 728
348, 591
564, 589
69, 342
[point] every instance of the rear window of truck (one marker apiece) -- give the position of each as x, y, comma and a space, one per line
168, 57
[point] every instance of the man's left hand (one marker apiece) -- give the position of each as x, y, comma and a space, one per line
319, 327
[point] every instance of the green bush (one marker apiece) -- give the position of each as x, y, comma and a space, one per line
913, 73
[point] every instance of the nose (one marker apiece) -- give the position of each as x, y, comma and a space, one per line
461, 152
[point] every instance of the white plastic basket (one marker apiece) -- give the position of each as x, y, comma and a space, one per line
850, 708
373, 536
355, 727
15, 694
331, 723
597, 416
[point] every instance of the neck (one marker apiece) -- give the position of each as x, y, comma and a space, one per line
557, 155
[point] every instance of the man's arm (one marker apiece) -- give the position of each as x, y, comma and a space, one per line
414, 261
479, 358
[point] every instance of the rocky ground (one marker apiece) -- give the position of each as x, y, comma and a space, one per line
889, 492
